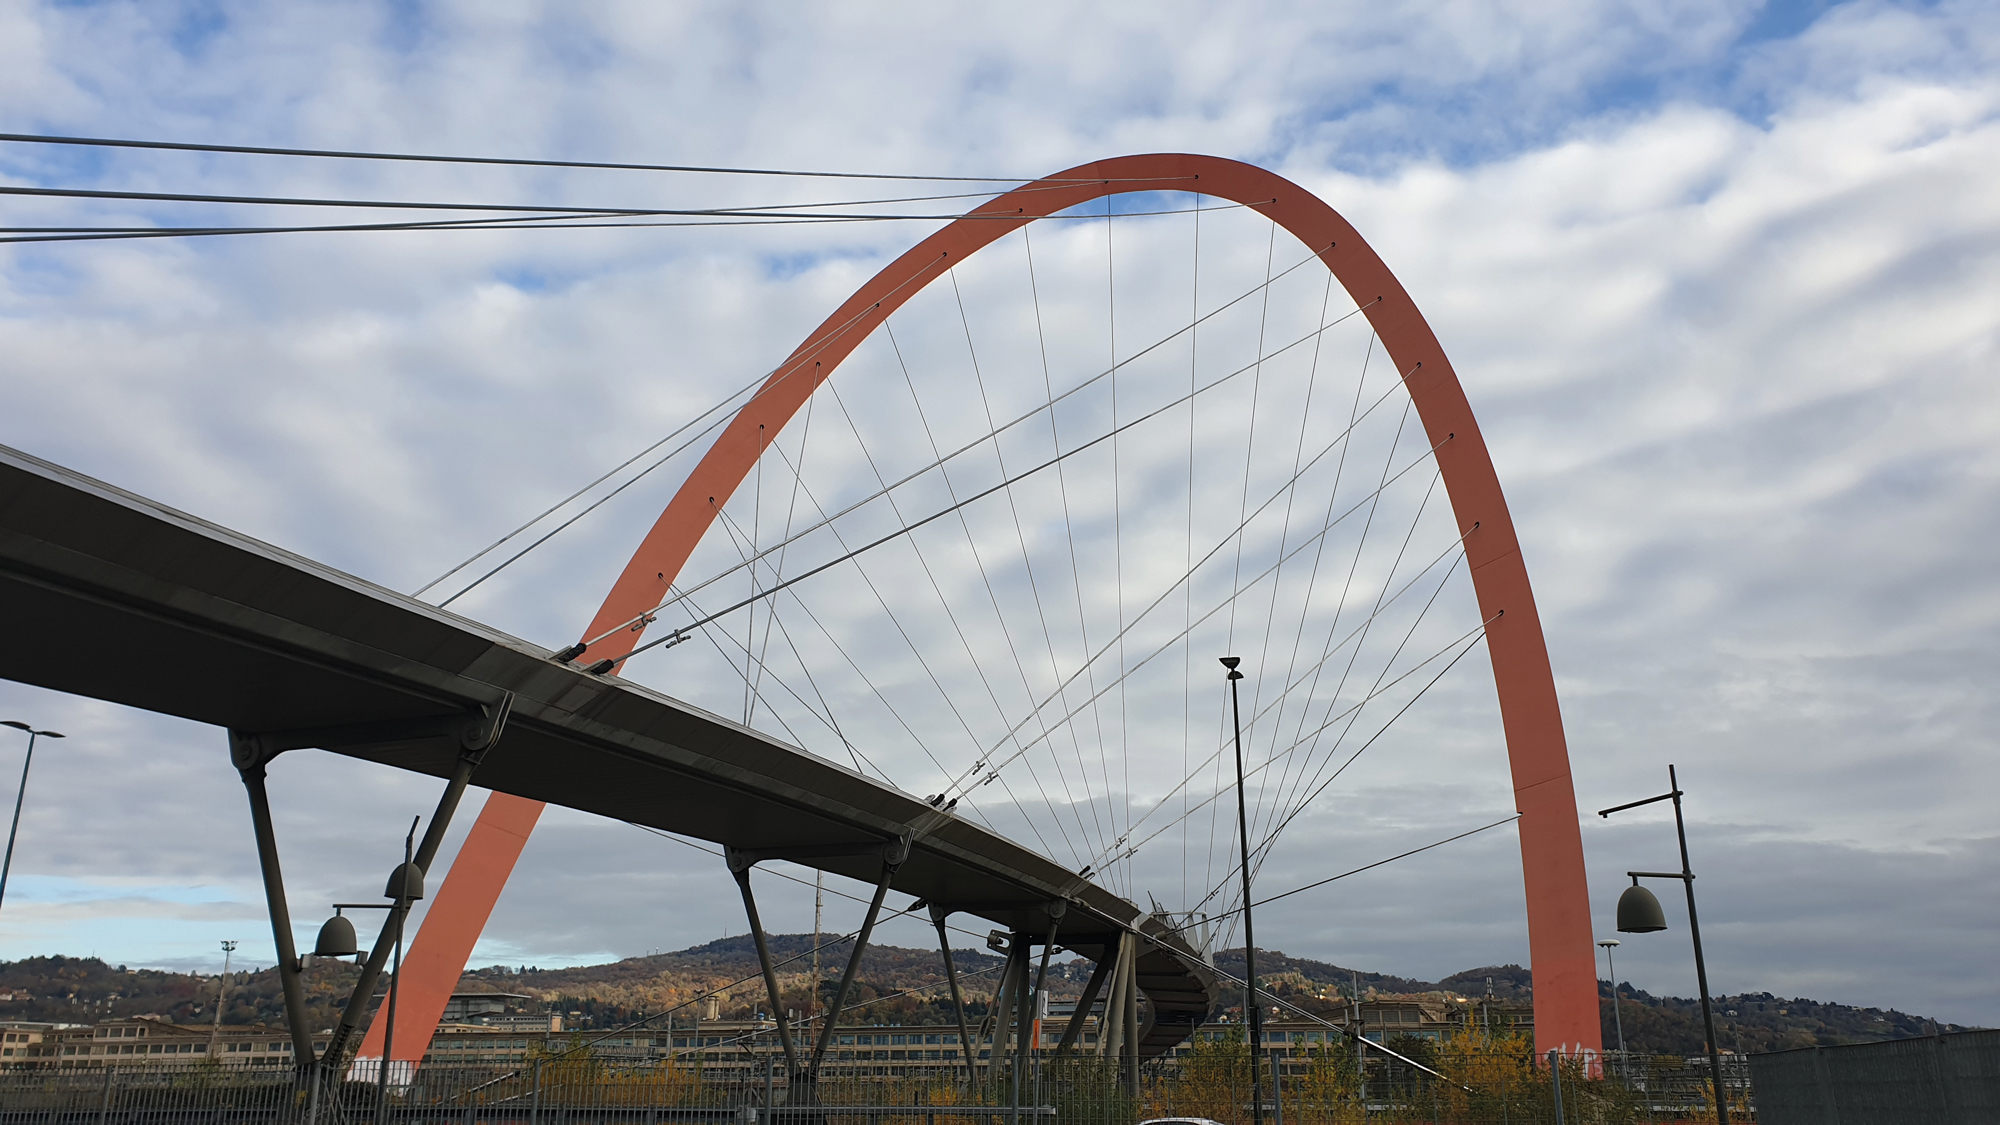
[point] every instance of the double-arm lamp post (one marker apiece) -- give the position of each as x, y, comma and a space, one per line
1639, 913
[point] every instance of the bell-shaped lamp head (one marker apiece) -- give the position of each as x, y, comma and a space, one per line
1639, 912
407, 881
336, 939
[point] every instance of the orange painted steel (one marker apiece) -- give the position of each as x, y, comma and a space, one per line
1558, 907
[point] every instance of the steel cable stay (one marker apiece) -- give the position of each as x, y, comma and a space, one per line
984, 762
910, 642
1305, 709
1306, 759
1319, 555
959, 786
1187, 560
759, 386
944, 602
1250, 440
1216, 756
1222, 790
749, 387
1027, 560
1268, 837
1375, 612
763, 384
827, 522
798, 363
1321, 786
1316, 884
778, 570
1262, 851
1027, 563
824, 713
1069, 525
1298, 454
1285, 523
972, 547
1118, 510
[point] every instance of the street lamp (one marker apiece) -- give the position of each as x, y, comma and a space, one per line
1617, 1017
1253, 1010
19, 794
1639, 913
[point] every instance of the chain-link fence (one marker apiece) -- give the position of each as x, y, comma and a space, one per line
1936, 1080
1490, 1082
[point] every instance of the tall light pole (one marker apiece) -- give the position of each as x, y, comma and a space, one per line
221, 983
19, 794
1252, 1009
1639, 913
1624, 1069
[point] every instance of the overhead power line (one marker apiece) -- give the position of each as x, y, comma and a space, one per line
433, 158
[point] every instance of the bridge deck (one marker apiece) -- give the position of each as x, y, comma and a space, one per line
108, 595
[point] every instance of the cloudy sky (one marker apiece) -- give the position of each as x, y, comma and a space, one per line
1720, 280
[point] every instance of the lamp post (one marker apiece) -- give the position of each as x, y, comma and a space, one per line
221, 983
1639, 913
1617, 1017
20, 794
406, 885
1253, 1010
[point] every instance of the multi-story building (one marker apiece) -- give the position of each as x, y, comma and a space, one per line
725, 1050
22, 1040
153, 1039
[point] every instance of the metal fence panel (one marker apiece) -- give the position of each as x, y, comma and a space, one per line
1498, 1089
1937, 1080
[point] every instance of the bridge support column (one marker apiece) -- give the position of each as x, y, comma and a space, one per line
1129, 968
250, 759
1074, 1031
739, 866
968, 1050
475, 737
1001, 1016
893, 855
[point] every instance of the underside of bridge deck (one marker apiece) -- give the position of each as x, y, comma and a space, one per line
108, 595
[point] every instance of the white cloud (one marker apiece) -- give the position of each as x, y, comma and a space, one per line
1731, 341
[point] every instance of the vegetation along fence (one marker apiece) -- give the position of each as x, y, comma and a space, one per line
1486, 1080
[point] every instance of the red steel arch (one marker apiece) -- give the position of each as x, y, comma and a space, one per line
1559, 933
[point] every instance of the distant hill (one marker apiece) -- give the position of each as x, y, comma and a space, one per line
894, 984
1749, 1023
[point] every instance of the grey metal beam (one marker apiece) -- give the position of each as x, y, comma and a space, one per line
893, 856
740, 866
250, 766
1090, 990
968, 1050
